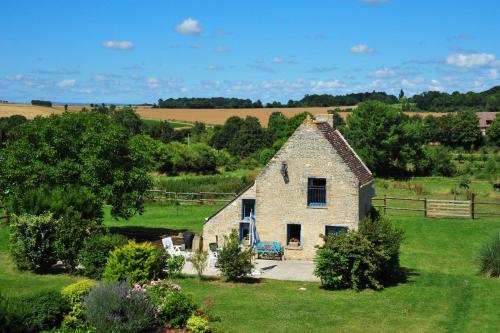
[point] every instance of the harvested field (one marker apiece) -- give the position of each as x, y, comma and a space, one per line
219, 116
208, 116
27, 110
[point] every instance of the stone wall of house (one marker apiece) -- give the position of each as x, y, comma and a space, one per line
225, 220
307, 154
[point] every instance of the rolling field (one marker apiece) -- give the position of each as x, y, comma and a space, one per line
208, 116
27, 110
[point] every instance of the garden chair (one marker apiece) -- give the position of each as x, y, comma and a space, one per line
174, 250
213, 254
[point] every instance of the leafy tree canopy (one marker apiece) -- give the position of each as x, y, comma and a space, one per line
384, 138
85, 149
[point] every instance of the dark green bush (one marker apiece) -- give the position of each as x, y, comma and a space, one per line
348, 261
112, 307
41, 103
32, 241
387, 239
71, 232
35, 313
234, 262
95, 252
489, 258
136, 263
368, 258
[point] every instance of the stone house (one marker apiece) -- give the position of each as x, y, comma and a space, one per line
315, 184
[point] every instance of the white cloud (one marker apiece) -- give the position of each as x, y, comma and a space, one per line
220, 49
383, 73
328, 85
152, 83
362, 48
278, 60
214, 68
493, 74
17, 77
101, 77
118, 44
262, 68
470, 60
283, 60
66, 83
188, 27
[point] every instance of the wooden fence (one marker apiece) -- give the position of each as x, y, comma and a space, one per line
193, 198
438, 207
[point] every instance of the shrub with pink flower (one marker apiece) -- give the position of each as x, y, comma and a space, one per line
173, 306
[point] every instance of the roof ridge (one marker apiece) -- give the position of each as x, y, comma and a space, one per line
346, 152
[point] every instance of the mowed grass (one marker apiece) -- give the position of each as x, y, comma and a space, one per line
15, 283
165, 218
443, 293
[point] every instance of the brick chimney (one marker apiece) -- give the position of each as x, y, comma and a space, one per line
325, 118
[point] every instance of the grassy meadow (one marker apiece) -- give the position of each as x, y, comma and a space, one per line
443, 292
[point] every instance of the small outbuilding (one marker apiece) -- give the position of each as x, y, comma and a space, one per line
315, 184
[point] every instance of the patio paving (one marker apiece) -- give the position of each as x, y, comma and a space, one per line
291, 270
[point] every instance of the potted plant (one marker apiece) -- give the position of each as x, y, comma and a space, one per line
294, 242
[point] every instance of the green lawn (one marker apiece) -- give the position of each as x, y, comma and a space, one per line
174, 124
443, 292
165, 218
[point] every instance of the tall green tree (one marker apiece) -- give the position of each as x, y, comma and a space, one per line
464, 130
277, 124
85, 149
383, 139
493, 132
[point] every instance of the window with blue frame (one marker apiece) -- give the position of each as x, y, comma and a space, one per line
244, 232
293, 235
316, 192
336, 230
248, 207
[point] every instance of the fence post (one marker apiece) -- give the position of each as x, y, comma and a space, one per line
472, 195
425, 206
385, 204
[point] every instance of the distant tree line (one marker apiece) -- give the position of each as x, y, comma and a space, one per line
41, 103
208, 103
488, 100
307, 101
433, 101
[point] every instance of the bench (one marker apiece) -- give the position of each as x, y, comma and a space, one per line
269, 250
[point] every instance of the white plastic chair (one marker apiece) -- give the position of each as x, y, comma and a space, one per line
174, 250
213, 254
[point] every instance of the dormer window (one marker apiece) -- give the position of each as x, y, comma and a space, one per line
316, 192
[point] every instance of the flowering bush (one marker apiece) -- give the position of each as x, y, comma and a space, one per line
113, 307
173, 307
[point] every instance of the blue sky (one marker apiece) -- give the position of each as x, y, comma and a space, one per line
120, 51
